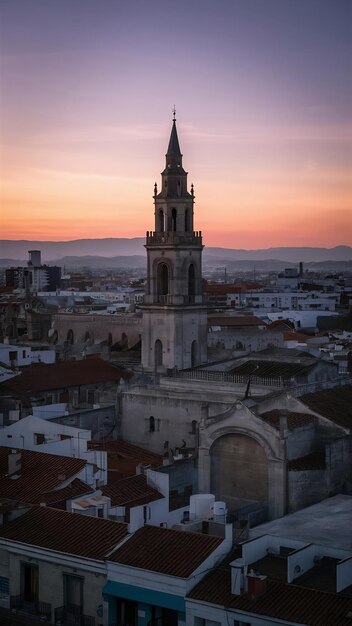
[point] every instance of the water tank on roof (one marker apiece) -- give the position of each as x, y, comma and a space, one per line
219, 511
200, 505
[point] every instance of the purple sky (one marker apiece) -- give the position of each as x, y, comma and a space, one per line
263, 96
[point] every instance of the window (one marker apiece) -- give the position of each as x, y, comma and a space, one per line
39, 438
90, 396
173, 220
73, 594
4, 590
29, 582
151, 424
194, 427
163, 279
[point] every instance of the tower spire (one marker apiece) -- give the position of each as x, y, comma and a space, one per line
174, 146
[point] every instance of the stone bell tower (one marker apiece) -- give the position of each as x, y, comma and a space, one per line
174, 315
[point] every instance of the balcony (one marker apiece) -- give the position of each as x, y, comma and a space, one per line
33, 609
72, 616
173, 238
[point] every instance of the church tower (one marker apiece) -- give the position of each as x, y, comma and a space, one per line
174, 316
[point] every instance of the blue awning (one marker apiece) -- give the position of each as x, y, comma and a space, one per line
146, 596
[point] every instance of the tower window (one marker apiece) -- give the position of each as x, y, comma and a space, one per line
173, 220
161, 220
163, 279
191, 280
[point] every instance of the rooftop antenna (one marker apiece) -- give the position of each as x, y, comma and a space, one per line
174, 113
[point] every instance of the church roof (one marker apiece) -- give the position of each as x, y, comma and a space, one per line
174, 146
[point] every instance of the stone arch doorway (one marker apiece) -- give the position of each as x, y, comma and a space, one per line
239, 471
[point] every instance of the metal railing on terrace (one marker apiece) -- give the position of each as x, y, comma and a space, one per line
225, 377
173, 238
34, 608
72, 616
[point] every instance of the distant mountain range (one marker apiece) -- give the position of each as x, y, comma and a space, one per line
122, 252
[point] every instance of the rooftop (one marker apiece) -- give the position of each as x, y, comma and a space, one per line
237, 321
132, 491
71, 533
167, 551
294, 419
124, 457
37, 475
329, 522
46, 376
335, 404
272, 369
281, 601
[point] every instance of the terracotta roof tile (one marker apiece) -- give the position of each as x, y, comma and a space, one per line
130, 492
294, 419
72, 533
45, 376
272, 369
167, 551
124, 457
281, 601
335, 404
38, 474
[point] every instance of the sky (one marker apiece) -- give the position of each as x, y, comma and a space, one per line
263, 94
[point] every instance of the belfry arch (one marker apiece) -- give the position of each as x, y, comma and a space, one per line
163, 279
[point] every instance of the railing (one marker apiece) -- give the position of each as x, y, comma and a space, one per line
72, 616
171, 237
31, 607
158, 621
180, 299
224, 377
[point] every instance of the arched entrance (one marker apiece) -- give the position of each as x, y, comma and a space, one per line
69, 337
239, 471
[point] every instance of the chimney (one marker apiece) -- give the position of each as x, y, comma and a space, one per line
14, 462
256, 585
238, 577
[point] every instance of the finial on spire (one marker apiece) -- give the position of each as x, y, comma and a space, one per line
155, 189
174, 114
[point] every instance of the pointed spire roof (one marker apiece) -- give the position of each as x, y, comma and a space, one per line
174, 146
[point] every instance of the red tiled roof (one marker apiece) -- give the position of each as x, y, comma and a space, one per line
294, 419
237, 321
75, 489
273, 369
124, 456
292, 335
43, 376
167, 551
61, 531
39, 473
335, 404
280, 325
281, 601
132, 491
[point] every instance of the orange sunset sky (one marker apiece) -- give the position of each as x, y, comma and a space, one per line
263, 96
